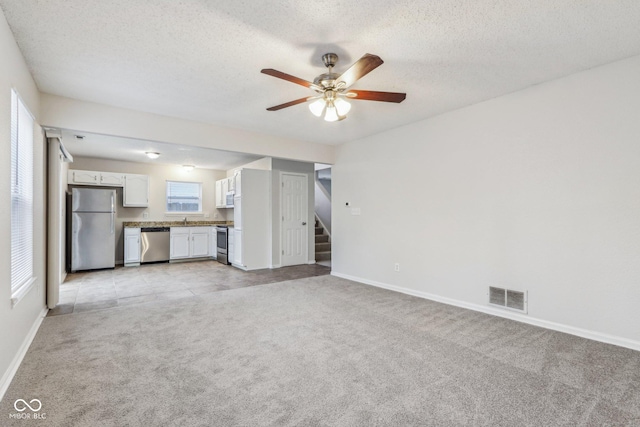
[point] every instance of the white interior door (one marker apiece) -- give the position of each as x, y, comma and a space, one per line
295, 219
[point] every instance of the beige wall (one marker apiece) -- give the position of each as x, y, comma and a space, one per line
158, 176
18, 323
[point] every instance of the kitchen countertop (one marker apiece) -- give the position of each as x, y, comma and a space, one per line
137, 224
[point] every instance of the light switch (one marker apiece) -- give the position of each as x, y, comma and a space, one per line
355, 211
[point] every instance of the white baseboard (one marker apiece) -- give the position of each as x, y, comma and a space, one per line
17, 360
584, 333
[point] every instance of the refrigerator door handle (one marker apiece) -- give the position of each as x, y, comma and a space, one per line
113, 207
113, 223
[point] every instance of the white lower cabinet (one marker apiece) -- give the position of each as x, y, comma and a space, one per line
231, 245
189, 242
200, 242
179, 243
213, 243
131, 246
237, 248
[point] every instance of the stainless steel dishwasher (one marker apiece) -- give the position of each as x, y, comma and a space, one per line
154, 244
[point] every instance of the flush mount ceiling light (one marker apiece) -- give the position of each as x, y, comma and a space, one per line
188, 168
152, 154
332, 88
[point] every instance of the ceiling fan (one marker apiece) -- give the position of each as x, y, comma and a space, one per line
333, 89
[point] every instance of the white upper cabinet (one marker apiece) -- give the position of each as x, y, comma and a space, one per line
83, 177
105, 179
224, 186
136, 187
237, 179
220, 196
136, 191
111, 179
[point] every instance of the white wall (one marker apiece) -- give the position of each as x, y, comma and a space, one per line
158, 176
538, 190
277, 166
18, 322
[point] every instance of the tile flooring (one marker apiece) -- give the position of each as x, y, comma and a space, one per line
96, 290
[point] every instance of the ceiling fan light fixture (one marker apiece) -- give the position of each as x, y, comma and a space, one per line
342, 106
331, 114
152, 154
317, 107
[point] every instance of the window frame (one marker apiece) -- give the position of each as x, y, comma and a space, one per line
22, 191
200, 200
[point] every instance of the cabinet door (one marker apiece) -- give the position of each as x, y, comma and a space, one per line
213, 242
238, 183
179, 244
136, 191
237, 247
225, 190
231, 245
83, 177
232, 183
111, 179
199, 242
219, 195
132, 247
237, 212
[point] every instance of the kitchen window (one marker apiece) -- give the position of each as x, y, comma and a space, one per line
184, 197
22, 122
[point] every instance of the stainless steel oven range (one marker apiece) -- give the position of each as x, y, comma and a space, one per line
222, 244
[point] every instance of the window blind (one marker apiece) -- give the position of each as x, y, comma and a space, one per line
184, 196
21, 194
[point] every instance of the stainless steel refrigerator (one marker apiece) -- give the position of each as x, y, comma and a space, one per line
93, 241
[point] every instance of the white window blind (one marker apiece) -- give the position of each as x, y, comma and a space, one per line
21, 194
184, 196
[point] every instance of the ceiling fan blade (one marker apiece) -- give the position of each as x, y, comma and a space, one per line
359, 69
290, 103
290, 78
370, 95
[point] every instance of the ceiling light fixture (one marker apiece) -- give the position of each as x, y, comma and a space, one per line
188, 168
333, 106
332, 88
152, 154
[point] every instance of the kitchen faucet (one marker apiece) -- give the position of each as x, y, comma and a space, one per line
185, 220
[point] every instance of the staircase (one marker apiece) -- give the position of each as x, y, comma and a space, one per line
323, 245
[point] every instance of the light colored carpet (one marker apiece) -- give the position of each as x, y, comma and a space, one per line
320, 351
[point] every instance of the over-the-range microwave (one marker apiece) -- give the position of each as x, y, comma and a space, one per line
229, 201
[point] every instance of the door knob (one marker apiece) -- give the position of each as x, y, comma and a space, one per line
304, 223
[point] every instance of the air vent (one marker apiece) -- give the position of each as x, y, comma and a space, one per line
509, 299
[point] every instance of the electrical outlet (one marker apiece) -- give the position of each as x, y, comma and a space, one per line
206, 215
145, 215
396, 267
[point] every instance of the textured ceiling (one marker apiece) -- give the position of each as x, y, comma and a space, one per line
201, 60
